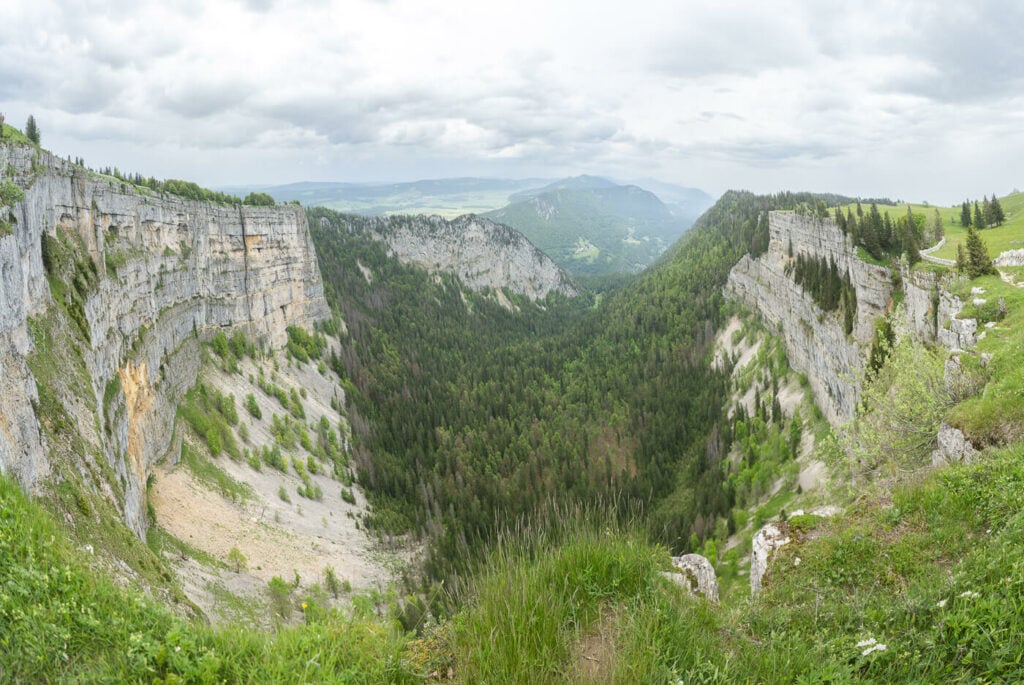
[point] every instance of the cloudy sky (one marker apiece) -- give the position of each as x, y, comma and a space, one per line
914, 100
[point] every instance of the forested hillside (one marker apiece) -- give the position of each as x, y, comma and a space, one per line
592, 226
468, 415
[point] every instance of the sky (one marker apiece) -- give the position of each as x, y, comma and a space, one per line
910, 100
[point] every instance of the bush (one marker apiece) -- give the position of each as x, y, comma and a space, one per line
253, 407
213, 440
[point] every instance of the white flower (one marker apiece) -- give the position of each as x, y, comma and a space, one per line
866, 643
969, 594
941, 604
796, 562
874, 648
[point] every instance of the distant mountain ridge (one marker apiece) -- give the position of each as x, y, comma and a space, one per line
591, 225
587, 224
448, 197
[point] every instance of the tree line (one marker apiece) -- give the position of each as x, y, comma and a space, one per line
987, 213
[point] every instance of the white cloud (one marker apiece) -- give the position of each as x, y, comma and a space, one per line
913, 99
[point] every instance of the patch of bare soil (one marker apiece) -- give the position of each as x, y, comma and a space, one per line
595, 653
277, 537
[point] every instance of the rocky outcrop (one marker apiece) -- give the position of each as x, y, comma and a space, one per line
1010, 258
953, 447
696, 574
930, 311
165, 271
816, 343
766, 542
482, 253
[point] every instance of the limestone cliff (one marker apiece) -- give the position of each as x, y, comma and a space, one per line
816, 343
482, 253
141, 276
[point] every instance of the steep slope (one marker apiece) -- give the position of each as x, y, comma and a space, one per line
833, 352
591, 225
815, 341
482, 253
106, 288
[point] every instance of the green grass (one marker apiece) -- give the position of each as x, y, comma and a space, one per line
213, 476
931, 568
13, 135
996, 415
60, 621
1009, 236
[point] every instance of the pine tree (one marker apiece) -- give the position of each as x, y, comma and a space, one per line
910, 244
961, 257
965, 214
978, 261
938, 231
997, 211
979, 219
32, 130
887, 237
871, 227
988, 211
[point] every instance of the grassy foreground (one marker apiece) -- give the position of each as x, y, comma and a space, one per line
930, 568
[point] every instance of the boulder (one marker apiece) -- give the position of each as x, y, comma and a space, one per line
953, 446
696, 574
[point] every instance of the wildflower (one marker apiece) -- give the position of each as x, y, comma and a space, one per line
941, 604
796, 562
969, 594
874, 648
866, 643
304, 606
177, 648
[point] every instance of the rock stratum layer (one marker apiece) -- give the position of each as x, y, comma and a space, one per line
816, 343
154, 273
482, 253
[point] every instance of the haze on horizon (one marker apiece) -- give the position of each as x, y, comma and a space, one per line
916, 100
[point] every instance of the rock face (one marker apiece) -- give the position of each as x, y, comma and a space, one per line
696, 574
169, 270
815, 341
482, 253
953, 446
764, 545
1010, 258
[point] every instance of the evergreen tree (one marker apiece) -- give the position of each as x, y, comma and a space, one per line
988, 212
910, 244
852, 226
978, 261
32, 130
938, 231
871, 228
965, 214
979, 219
961, 258
887, 238
998, 217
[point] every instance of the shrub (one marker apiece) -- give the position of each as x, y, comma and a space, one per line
253, 407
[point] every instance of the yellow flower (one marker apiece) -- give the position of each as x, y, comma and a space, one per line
304, 605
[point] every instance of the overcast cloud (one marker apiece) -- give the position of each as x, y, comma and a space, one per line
915, 100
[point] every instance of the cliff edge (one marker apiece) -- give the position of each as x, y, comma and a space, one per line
105, 289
